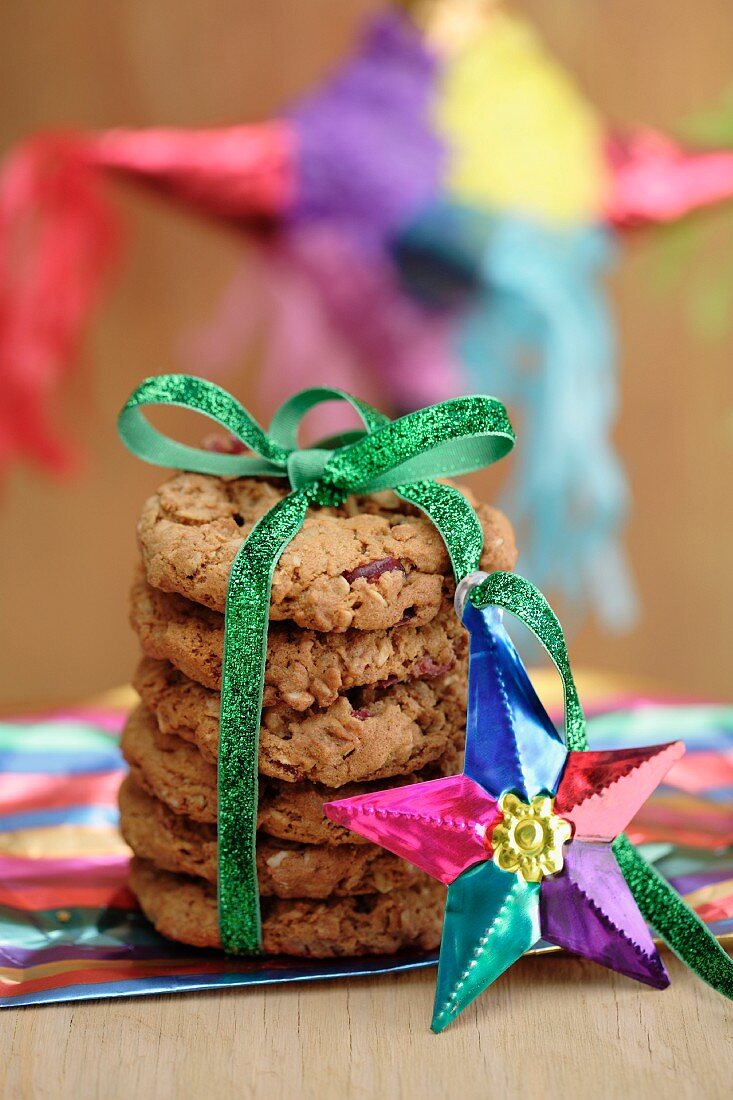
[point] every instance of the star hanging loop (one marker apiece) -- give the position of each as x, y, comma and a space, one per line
523, 838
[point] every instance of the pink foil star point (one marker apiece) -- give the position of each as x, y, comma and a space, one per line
441, 826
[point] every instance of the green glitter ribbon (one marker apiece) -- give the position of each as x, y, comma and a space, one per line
659, 903
520, 598
445, 440
673, 919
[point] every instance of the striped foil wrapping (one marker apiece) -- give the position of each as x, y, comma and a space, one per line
71, 930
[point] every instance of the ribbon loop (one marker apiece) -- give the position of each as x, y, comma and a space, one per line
446, 440
199, 395
286, 422
520, 598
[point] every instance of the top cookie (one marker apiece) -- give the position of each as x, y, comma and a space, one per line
371, 564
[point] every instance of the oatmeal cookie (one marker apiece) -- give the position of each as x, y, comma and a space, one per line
370, 734
304, 667
284, 869
178, 776
185, 909
370, 564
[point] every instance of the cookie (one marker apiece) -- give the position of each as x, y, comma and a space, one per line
178, 776
284, 870
185, 909
304, 667
369, 734
371, 564
294, 811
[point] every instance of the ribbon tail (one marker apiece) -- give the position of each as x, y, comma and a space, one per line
243, 673
673, 919
455, 519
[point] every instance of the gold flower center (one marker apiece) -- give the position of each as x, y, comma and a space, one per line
529, 838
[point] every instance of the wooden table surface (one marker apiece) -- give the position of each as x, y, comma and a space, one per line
552, 1027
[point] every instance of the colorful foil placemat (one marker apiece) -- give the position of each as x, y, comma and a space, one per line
70, 929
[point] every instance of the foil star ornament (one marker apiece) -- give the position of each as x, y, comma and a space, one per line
523, 838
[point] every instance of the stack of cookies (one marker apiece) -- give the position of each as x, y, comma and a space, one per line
365, 686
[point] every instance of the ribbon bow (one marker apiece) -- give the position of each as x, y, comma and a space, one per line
443, 440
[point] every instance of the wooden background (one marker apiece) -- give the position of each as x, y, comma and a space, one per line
67, 550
